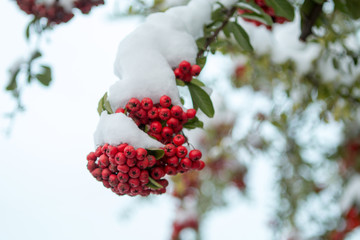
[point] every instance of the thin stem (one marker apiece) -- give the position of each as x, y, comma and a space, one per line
213, 36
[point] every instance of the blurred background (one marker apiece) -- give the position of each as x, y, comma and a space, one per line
282, 151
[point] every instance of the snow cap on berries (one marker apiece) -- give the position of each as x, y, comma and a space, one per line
118, 128
146, 57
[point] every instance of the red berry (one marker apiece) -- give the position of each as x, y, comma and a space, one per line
165, 101
146, 104
173, 161
141, 114
112, 161
195, 165
112, 150
155, 127
144, 176
157, 173
190, 113
97, 173
104, 148
185, 163
105, 173
195, 155
106, 184
181, 151
120, 158
179, 140
129, 151
123, 177
123, 168
170, 170
183, 119
134, 172
136, 190
195, 70
103, 161
176, 111
164, 182
113, 181
164, 114
120, 110
123, 188
143, 164
157, 136
91, 165
113, 168
170, 150
133, 105
202, 165
167, 132
178, 73
91, 156
121, 147
152, 160
140, 154
173, 123
98, 152
185, 66
187, 77
131, 162
134, 182
153, 113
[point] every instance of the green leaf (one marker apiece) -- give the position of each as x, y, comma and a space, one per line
12, 83
182, 100
198, 82
201, 43
241, 36
154, 184
226, 30
35, 55
100, 108
180, 83
44, 77
257, 13
218, 15
107, 106
193, 123
282, 8
201, 61
156, 152
201, 100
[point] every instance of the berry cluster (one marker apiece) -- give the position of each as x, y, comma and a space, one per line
268, 10
55, 13
186, 72
161, 121
131, 171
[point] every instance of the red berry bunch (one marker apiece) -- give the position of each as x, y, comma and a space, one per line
186, 72
268, 10
161, 121
131, 171
55, 13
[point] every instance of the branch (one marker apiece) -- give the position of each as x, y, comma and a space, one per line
212, 37
309, 20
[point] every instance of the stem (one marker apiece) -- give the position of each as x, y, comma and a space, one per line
309, 21
212, 37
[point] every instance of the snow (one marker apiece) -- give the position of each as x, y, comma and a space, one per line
117, 128
145, 61
66, 4
351, 194
146, 57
